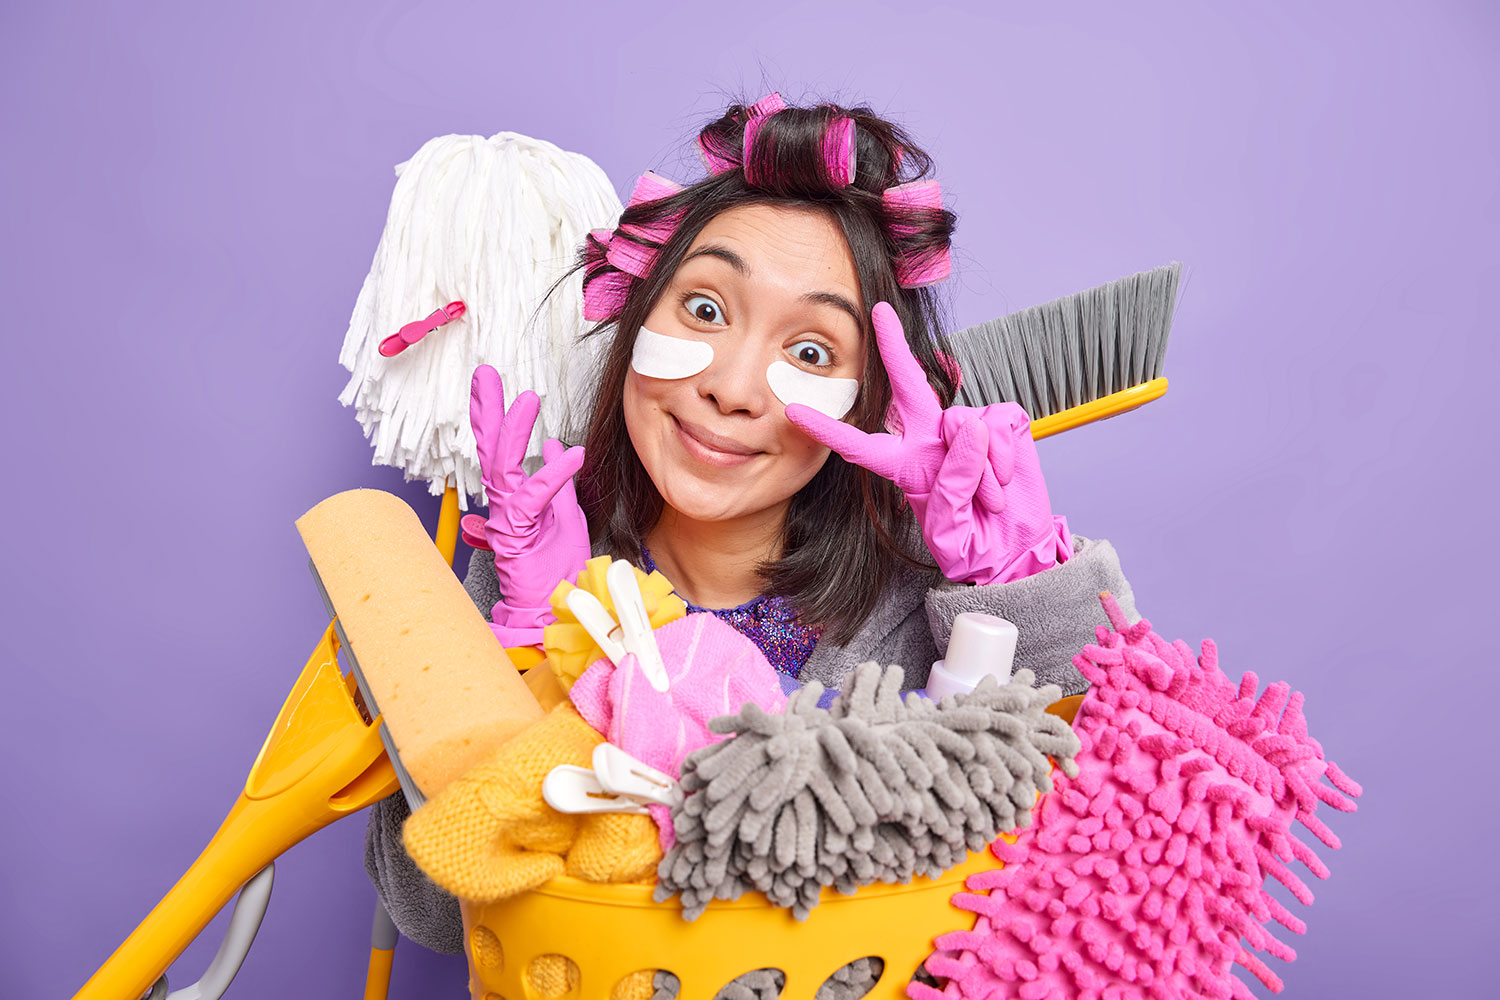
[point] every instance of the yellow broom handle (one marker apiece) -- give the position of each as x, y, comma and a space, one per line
1106, 406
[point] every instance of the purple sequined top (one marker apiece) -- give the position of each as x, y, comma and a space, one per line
769, 622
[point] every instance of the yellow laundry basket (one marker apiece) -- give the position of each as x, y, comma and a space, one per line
608, 932
604, 933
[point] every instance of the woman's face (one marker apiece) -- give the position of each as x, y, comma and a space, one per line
761, 284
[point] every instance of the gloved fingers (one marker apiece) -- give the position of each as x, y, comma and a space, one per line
526, 504
567, 497
914, 400
880, 453
990, 494
486, 413
999, 468
1010, 432
959, 476
515, 434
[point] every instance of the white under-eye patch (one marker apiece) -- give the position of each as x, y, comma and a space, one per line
830, 396
656, 356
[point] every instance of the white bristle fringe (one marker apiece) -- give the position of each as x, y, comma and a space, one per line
1072, 350
493, 222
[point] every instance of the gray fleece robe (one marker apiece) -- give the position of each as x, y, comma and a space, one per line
1055, 611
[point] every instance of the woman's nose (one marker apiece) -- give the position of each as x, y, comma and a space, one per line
736, 379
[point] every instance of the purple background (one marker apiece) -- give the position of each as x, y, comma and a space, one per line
193, 196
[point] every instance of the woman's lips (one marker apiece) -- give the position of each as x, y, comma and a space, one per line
711, 449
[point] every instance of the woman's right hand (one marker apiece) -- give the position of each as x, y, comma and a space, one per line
535, 526
971, 474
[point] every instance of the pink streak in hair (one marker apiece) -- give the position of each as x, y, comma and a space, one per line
838, 151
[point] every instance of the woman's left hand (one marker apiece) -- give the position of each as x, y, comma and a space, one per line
971, 474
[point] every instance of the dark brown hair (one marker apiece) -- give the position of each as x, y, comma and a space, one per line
846, 524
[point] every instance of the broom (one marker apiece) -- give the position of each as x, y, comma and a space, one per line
1074, 360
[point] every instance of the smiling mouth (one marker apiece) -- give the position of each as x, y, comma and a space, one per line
712, 449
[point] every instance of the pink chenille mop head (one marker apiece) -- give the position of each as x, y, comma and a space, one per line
1142, 877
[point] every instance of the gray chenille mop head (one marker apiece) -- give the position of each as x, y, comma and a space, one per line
872, 789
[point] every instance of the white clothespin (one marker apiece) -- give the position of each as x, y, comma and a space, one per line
572, 789
597, 622
622, 774
617, 783
635, 624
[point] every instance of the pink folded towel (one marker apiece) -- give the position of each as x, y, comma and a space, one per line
712, 670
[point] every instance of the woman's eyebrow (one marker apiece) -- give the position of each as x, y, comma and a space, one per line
836, 300
723, 253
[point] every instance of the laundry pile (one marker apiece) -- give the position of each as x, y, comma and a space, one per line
875, 788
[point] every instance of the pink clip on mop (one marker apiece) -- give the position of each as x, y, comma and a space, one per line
1142, 878
417, 329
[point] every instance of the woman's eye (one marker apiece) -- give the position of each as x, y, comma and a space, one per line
810, 352
704, 309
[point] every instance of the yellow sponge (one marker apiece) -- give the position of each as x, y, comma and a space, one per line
443, 684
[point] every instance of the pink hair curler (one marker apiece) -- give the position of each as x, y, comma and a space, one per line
768, 105
417, 329
653, 187
631, 257
752, 130
920, 270
913, 196
903, 202
838, 151
604, 296
715, 163
763, 108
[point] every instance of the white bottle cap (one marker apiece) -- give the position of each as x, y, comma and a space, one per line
981, 645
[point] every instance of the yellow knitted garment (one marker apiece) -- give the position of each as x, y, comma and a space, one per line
615, 847
490, 835
570, 649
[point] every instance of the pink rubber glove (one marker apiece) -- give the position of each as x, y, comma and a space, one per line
971, 474
535, 526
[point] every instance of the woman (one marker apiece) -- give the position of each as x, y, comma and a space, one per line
772, 430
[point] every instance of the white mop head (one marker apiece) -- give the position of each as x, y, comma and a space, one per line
492, 222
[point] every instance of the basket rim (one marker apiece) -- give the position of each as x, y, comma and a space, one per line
637, 895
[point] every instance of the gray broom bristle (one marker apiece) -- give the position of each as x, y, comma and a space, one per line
1072, 350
